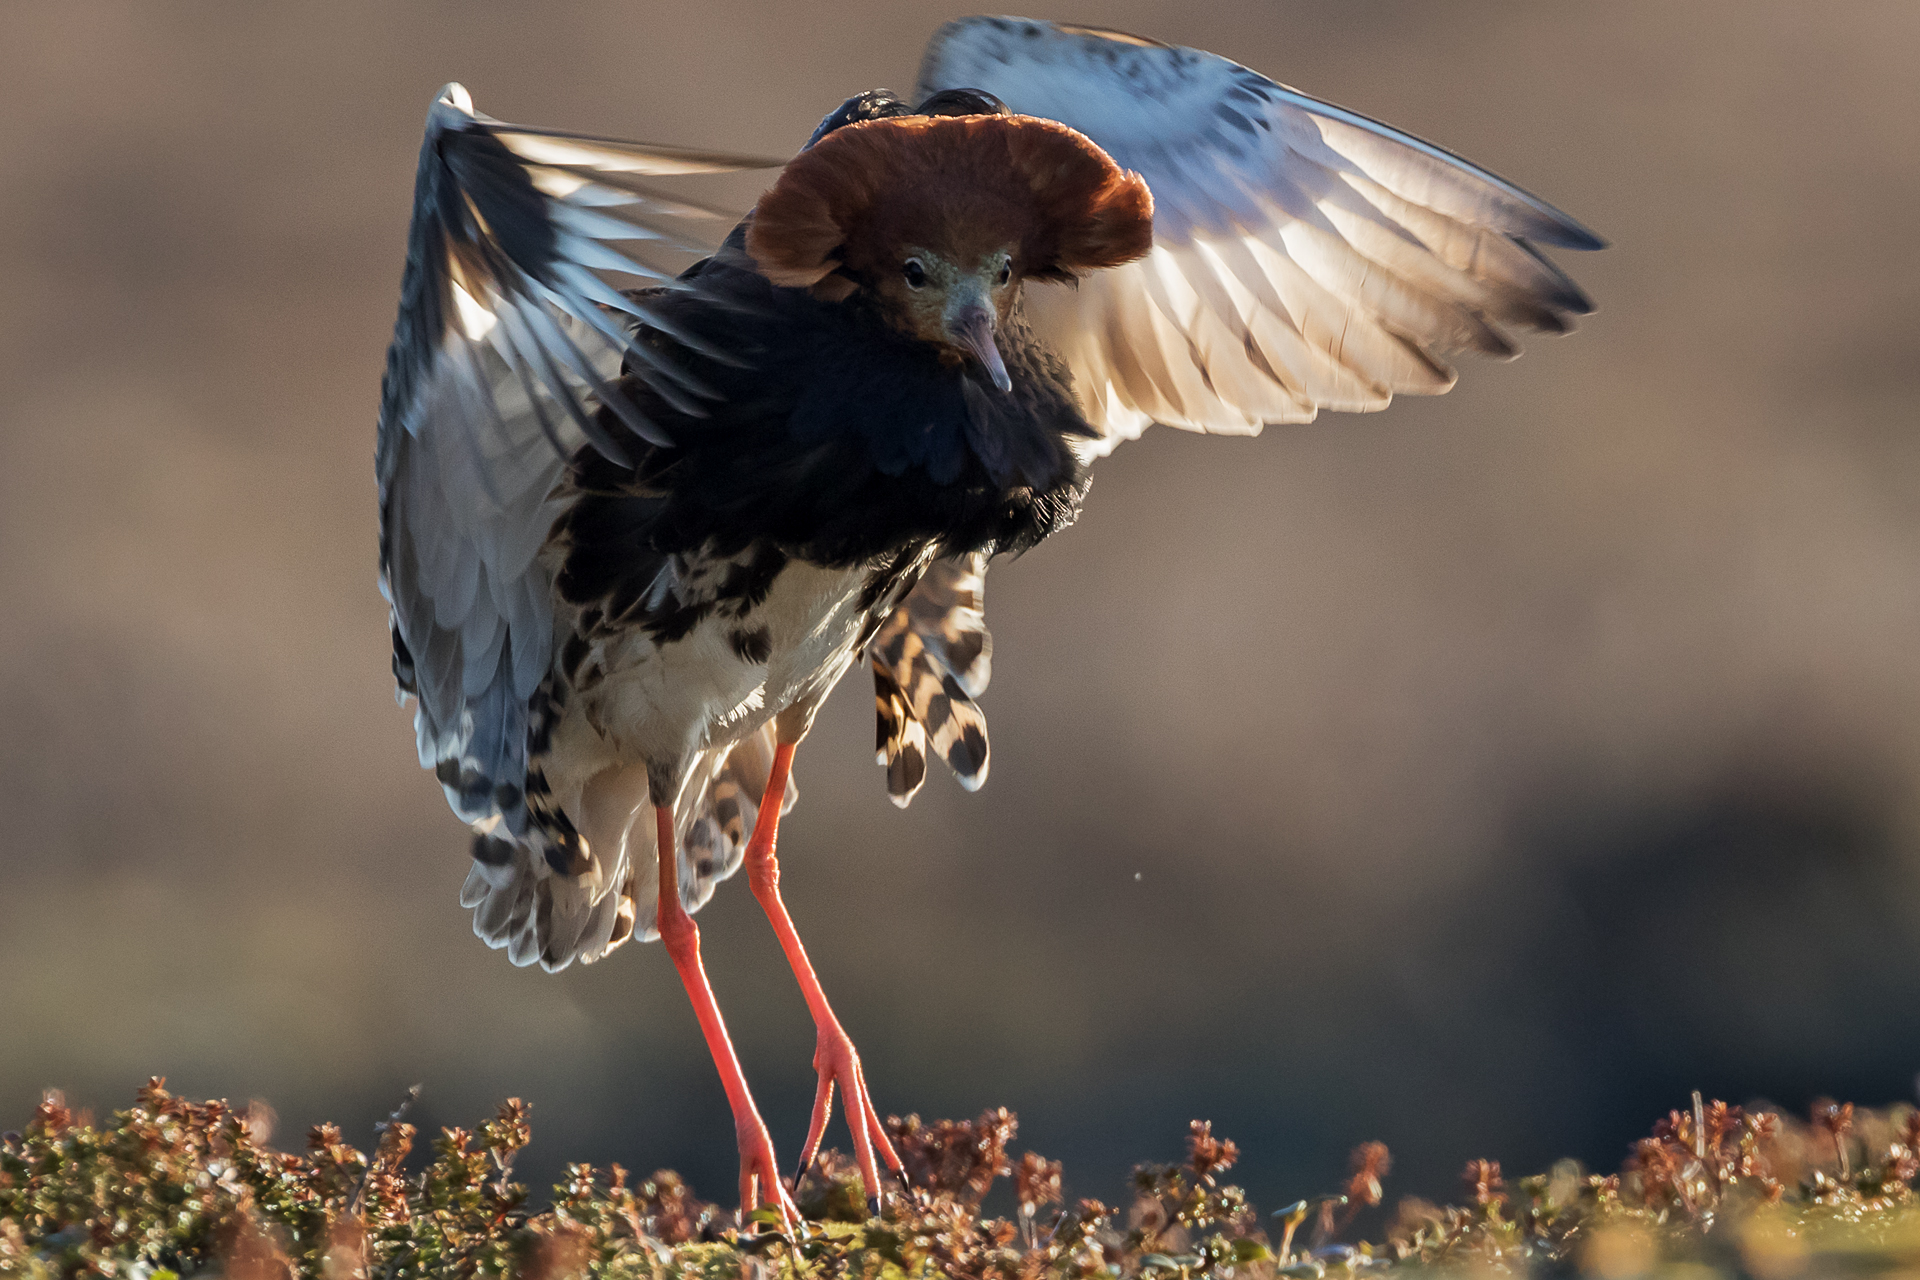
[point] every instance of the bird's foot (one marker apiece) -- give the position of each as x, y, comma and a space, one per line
759, 1182
837, 1063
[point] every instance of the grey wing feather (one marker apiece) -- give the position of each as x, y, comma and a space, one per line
1305, 257
506, 344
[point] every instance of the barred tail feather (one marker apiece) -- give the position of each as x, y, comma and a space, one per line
947, 608
902, 745
929, 659
956, 727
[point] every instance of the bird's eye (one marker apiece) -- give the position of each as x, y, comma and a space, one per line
915, 272
1006, 272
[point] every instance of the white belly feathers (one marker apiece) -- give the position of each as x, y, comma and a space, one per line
660, 702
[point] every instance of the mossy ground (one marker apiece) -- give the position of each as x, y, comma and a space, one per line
171, 1188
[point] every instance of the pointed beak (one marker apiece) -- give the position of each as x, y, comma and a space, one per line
972, 328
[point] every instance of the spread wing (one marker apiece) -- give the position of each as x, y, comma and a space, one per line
1305, 257
506, 341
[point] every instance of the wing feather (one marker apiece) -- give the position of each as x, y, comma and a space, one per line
507, 345
1305, 257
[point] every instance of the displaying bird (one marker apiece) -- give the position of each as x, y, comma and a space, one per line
632, 537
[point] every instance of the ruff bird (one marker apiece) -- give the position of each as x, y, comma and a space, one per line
632, 535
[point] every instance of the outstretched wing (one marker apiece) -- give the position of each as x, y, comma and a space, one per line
1305, 257
506, 342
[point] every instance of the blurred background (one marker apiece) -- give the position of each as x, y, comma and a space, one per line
1480, 776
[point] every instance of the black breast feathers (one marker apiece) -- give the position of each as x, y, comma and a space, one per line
829, 438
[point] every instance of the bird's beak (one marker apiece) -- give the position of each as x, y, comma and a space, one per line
972, 328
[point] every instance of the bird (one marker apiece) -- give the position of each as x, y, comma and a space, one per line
639, 518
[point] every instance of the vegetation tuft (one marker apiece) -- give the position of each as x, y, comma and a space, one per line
170, 1188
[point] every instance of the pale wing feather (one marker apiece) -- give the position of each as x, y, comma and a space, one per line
1305, 257
506, 345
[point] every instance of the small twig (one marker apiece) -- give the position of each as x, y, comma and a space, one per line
380, 1132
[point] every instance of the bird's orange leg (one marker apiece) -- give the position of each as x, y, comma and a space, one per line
833, 1056
759, 1178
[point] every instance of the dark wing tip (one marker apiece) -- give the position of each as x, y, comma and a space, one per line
1565, 233
1576, 302
1565, 294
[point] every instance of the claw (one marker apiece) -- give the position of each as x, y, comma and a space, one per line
757, 1176
839, 1066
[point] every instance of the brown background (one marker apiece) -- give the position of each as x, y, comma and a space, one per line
1479, 776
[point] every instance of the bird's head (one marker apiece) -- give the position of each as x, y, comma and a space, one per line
938, 220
